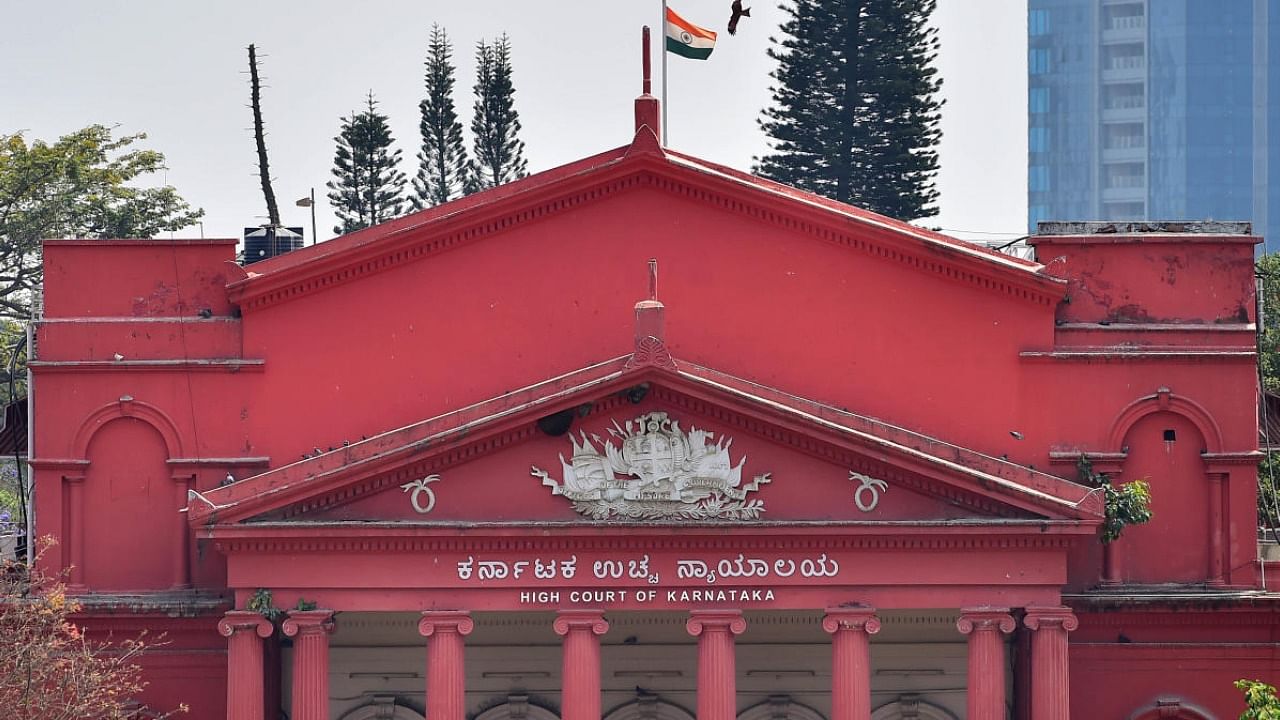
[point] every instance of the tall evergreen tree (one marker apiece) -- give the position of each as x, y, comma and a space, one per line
368, 186
495, 123
855, 115
444, 172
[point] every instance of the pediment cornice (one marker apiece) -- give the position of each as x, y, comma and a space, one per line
987, 486
415, 237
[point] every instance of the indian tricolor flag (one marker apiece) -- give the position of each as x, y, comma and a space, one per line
685, 38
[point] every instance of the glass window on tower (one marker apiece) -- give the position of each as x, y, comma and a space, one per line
1038, 178
1038, 22
1038, 139
1038, 61
1038, 99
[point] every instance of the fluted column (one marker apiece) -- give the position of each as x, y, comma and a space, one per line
1050, 669
986, 696
310, 632
446, 671
717, 678
580, 677
245, 631
851, 629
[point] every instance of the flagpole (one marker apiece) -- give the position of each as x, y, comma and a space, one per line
662, 48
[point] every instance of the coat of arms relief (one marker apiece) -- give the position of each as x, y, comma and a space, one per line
656, 471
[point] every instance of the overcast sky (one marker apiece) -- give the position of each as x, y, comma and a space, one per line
175, 69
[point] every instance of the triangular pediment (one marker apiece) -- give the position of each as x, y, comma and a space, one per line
616, 173
645, 439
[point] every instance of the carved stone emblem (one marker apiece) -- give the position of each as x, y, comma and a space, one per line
657, 471
870, 486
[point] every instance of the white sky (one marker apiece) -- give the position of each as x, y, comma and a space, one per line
175, 70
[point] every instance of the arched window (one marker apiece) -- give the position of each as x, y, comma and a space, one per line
517, 707
1170, 709
909, 707
780, 707
383, 707
647, 706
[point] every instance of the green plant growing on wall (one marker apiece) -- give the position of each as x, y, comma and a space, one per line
1261, 700
305, 605
1128, 504
261, 602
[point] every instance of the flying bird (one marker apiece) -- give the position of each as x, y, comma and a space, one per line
738, 12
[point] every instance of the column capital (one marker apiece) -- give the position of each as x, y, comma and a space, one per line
985, 618
308, 622
236, 621
591, 620
443, 621
1048, 617
728, 620
851, 618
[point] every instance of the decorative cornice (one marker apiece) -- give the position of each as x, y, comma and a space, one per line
1137, 355
75, 464
360, 537
229, 365
762, 203
258, 462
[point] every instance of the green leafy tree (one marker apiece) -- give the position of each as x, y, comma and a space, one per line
1128, 504
495, 123
1269, 377
79, 186
1261, 699
50, 669
368, 186
854, 114
444, 171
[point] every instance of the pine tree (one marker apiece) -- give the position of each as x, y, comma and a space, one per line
495, 123
368, 185
444, 172
854, 113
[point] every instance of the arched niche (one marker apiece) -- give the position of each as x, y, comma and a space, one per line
648, 706
382, 707
517, 707
1163, 400
909, 707
128, 502
1164, 449
127, 407
780, 707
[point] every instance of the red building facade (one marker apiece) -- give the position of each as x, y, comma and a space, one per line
478, 463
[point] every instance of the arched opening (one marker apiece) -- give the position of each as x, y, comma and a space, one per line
780, 707
908, 707
517, 707
647, 706
1164, 449
383, 707
129, 504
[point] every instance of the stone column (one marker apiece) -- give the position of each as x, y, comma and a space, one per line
986, 696
181, 563
74, 488
580, 677
1050, 669
310, 632
851, 629
245, 631
717, 678
446, 674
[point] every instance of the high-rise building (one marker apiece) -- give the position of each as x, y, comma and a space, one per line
1154, 109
